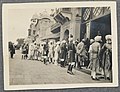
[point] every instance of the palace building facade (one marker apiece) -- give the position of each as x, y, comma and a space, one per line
95, 21
40, 27
82, 23
68, 22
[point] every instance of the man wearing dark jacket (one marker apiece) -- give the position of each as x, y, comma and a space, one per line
71, 55
12, 50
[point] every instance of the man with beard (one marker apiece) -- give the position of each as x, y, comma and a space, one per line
107, 57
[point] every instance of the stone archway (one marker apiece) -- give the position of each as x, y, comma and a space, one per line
66, 34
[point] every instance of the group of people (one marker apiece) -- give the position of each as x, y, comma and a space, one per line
91, 54
101, 57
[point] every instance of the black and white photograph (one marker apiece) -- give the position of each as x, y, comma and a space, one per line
60, 45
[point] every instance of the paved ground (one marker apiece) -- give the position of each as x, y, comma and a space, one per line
25, 72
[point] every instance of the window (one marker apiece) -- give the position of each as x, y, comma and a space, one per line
86, 14
97, 11
106, 10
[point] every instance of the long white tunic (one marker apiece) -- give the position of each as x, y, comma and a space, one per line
57, 49
31, 49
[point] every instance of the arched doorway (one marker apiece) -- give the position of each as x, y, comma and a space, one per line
66, 34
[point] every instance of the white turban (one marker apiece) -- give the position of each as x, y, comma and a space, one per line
58, 42
108, 37
63, 41
70, 39
83, 40
98, 38
43, 43
91, 40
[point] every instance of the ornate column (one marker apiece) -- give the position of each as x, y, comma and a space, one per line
88, 29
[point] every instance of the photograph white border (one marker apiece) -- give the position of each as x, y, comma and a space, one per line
5, 33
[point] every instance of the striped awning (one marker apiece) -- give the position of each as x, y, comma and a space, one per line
52, 36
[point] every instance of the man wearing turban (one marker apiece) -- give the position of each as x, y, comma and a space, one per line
95, 49
107, 57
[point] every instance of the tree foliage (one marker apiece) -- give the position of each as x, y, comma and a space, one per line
20, 41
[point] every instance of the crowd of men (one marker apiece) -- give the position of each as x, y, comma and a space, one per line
92, 54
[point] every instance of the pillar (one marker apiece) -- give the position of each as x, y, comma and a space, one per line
77, 23
88, 30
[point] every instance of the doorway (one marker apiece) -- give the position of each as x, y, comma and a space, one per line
101, 27
66, 35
